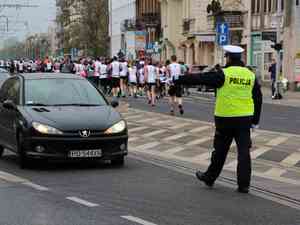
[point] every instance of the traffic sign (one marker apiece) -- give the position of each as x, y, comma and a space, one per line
222, 34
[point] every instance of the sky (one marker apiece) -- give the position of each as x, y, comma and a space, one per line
38, 19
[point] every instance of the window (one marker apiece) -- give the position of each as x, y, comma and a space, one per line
11, 91
270, 6
265, 5
258, 6
253, 6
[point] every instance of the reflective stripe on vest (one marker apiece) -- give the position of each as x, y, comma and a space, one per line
234, 98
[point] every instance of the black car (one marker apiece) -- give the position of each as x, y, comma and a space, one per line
59, 116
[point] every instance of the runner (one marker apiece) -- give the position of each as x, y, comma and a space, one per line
133, 79
103, 76
123, 77
97, 66
115, 71
151, 80
175, 90
141, 81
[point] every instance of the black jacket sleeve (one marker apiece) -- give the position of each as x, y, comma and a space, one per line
258, 99
212, 79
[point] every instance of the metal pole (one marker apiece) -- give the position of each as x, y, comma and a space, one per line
278, 60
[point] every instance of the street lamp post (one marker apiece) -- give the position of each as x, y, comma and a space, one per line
278, 60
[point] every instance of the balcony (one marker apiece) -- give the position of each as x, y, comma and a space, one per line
233, 18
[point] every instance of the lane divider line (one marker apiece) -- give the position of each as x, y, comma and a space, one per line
137, 220
82, 202
36, 186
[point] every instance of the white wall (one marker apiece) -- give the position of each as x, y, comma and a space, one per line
120, 10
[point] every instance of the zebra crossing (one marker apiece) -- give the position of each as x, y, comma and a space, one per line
275, 155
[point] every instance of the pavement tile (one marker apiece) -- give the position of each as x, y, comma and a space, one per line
186, 139
207, 144
292, 175
273, 155
164, 135
298, 164
189, 153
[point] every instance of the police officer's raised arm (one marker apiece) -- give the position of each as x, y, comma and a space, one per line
213, 79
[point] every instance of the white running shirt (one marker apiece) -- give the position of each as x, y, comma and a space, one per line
152, 76
124, 69
175, 71
115, 66
132, 74
103, 71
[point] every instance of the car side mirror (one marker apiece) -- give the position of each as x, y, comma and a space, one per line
8, 104
114, 104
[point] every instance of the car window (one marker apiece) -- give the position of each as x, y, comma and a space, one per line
10, 91
61, 92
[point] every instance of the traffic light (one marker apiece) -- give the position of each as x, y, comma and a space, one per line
277, 46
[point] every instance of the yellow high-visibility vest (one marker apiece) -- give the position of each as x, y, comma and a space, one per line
234, 98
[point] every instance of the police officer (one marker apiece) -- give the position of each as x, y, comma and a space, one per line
238, 108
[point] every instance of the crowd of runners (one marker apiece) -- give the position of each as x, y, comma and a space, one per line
118, 77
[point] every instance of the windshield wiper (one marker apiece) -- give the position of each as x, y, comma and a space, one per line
36, 104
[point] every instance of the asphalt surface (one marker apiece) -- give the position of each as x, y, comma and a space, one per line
274, 117
140, 190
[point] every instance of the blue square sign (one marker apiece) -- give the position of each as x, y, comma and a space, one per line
222, 34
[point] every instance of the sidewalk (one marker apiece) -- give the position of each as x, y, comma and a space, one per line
289, 98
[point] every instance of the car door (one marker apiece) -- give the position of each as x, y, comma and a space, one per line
9, 91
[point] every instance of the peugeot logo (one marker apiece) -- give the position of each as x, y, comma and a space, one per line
84, 133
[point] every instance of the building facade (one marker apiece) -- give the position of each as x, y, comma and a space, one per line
189, 30
121, 26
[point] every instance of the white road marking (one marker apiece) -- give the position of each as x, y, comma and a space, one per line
36, 186
147, 146
147, 120
198, 141
11, 178
231, 165
137, 129
137, 220
82, 202
200, 158
277, 141
162, 122
178, 126
153, 133
131, 139
275, 172
256, 153
291, 160
173, 150
176, 136
199, 129
133, 117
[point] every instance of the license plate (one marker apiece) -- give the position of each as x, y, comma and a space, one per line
85, 153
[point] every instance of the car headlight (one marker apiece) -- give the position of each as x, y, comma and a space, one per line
116, 128
45, 129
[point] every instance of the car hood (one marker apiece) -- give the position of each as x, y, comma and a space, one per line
70, 118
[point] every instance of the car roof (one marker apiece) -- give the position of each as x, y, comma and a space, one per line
41, 76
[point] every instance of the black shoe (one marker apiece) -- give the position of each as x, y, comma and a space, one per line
181, 111
244, 190
202, 177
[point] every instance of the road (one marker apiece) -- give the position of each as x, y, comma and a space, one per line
274, 117
157, 185
139, 193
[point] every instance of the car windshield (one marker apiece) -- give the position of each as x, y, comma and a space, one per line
62, 92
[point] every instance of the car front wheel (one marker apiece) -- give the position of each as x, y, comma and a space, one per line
24, 161
119, 161
1, 151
